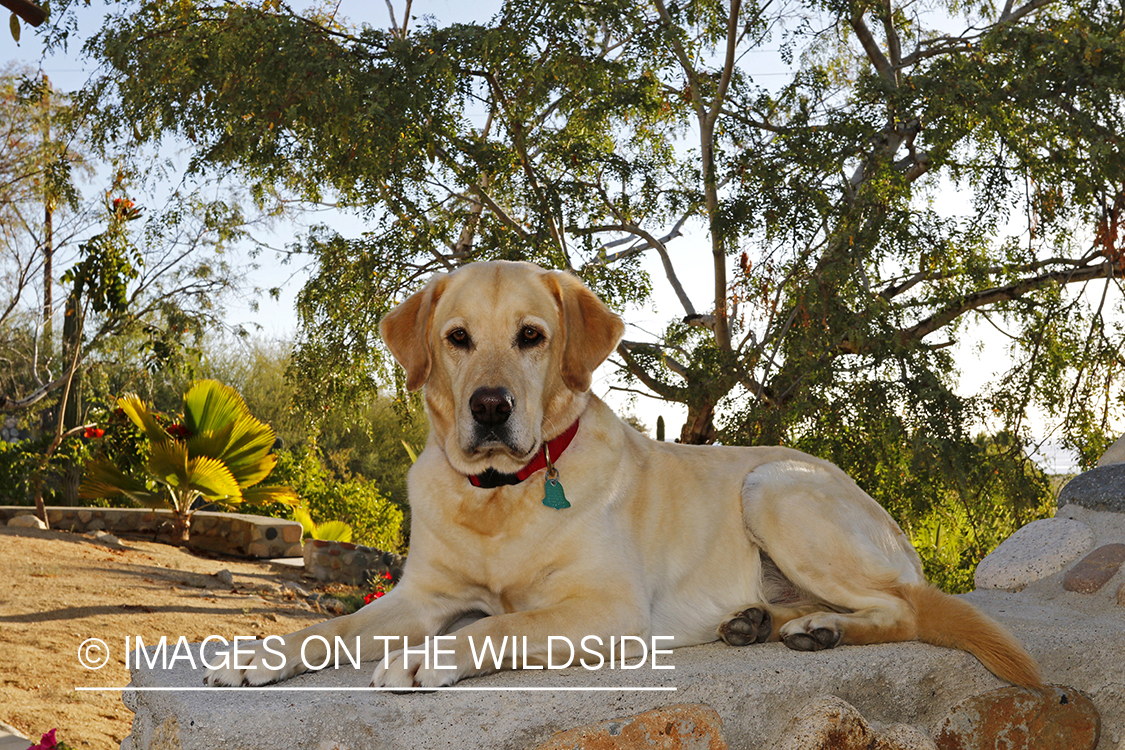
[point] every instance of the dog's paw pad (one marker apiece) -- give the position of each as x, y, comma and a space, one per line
751, 625
817, 639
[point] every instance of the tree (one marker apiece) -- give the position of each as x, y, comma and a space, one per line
585, 135
217, 451
156, 272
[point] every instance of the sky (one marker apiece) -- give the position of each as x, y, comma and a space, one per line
276, 319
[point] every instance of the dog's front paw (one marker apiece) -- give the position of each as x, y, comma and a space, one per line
751, 625
254, 663
403, 670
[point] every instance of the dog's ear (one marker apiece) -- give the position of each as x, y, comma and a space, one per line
591, 330
406, 332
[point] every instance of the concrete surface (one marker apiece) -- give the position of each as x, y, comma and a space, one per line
1079, 640
10, 739
756, 690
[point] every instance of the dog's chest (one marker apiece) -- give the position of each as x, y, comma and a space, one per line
511, 511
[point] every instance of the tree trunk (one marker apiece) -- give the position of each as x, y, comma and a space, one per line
181, 528
699, 428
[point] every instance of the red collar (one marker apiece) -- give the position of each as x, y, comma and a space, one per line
492, 478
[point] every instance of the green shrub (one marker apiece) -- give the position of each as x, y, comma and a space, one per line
375, 520
14, 470
19, 461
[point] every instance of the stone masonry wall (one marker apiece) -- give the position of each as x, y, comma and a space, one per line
230, 533
350, 564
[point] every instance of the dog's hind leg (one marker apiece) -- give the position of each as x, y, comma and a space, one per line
836, 545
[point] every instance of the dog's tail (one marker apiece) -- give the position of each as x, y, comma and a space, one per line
945, 620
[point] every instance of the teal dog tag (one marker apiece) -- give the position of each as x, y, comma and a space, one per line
553, 495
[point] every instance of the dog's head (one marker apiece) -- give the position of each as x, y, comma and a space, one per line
505, 352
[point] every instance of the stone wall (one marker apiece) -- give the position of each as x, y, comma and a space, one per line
351, 564
229, 533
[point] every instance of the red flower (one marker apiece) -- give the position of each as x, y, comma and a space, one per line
47, 742
93, 432
179, 431
372, 597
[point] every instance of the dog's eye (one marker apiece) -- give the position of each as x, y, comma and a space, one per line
530, 337
459, 337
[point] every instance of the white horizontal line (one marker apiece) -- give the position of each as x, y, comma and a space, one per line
275, 689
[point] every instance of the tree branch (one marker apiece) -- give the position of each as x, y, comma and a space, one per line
871, 47
665, 391
1006, 293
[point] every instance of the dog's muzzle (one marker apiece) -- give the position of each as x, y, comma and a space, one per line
491, 407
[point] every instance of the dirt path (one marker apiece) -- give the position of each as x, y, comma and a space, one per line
59, 589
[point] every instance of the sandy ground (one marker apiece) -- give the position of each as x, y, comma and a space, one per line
59, 589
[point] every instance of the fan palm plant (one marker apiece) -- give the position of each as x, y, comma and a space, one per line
218, 452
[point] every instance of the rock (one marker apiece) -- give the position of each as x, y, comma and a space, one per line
678, 727
225, 577
26, 521
1095, 569
259, 549
1115, 454
295, 588
102, 537
1102, 488
1035, 551
1016, 719
831, 723
335, 606
906, 737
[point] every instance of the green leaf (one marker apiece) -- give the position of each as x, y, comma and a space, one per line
336, 531
138, 411
212, 479
301, 516
104, 480
264, 495
170, 464
213, 443
14, 25
210, 406
248, 453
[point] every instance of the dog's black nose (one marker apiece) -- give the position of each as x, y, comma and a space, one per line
491, 406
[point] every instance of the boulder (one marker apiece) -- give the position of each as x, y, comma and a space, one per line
1101, 489
1035, 551
830, 723
26, 521
677, 727
1059, 718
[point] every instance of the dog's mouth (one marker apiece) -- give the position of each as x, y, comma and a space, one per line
490, 444
498, 445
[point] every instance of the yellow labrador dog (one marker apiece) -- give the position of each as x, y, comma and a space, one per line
539, 516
